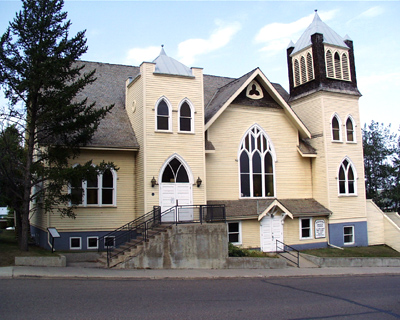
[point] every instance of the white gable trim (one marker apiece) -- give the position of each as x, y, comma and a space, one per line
274, 94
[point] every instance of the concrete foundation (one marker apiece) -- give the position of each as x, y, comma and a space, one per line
56, 261
353, 262
186, 246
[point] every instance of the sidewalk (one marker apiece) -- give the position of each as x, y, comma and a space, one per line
98, 273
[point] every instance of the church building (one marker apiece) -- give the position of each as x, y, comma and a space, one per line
287, 166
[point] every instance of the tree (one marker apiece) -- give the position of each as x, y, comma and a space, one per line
378, 146
42, 81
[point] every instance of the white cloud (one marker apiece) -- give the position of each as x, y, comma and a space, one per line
276, 36
371, 13
221, 36
136, 56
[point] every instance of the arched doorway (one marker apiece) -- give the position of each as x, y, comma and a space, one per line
176, 186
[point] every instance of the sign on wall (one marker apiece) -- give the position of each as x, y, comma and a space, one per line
319, 229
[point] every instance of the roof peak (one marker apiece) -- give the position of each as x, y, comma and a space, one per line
318, 26
168, 65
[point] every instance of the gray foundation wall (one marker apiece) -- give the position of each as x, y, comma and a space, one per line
184, 246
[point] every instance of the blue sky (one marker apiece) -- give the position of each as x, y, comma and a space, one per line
230, 38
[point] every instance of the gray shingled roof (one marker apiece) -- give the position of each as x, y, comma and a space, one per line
306, 148
317, 26
115, 131
251, 208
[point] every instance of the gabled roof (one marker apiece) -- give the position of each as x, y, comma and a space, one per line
226, 94
318, 26
168, 65
115, 130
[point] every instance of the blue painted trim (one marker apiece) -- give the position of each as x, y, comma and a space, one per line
308, 246
336, 235
63, 243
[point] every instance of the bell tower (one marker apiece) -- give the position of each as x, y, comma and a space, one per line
324, 94
321, 60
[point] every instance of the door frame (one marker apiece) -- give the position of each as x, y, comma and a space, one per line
271, 219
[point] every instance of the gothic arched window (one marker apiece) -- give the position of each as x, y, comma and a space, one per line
350, 136
336, 134
185, 117
256, 164
347, 178
163, 112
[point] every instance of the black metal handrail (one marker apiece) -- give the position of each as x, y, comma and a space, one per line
139, 228
290, 251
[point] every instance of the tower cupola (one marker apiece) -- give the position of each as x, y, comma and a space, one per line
321, 60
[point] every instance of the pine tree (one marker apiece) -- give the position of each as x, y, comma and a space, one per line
42, 81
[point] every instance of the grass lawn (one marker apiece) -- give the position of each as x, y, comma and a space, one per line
366, 252
9, 249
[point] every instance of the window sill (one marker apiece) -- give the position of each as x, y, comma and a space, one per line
163, 131
311, 238
347, 195
186, 132
337, 141
351, 142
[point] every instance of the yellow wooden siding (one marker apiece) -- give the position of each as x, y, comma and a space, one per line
103, 218
392, 234
291, 232
292, 172
316, 111
376, 228
136, 116
250, 233
159, 146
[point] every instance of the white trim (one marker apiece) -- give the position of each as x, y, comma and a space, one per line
87, 242
335, 115
354, 129
184, 163
239, 232
293, 118
352, 234
168, 103
192, 113
351, 164
99, 192
75, 248
301, 228
270, 149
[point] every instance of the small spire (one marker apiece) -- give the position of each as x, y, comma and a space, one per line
162, 53
316, 10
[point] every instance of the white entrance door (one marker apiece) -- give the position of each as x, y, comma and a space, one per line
172, 192
271, 230
175, 187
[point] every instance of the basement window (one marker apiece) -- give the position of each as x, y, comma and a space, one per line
75, 243
109, 242
306, 228
92, 242
234, 233
348, 235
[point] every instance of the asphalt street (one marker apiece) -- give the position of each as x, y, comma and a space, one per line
324, 297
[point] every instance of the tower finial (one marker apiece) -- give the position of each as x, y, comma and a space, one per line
315, 10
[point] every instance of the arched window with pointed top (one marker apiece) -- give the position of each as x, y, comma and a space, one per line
186, 123
347, 177
335, 126
163, 115
350, 133
256, 164
345, 67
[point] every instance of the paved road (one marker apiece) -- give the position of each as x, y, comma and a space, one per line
353, 297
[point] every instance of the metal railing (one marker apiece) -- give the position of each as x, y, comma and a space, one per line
292, 254
154, 222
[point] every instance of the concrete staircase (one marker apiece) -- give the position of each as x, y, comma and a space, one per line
132, 248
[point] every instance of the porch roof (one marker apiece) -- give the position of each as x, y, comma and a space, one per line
258, 208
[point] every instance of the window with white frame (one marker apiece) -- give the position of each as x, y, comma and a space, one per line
99, 190
347, 178
92, 242
163, 115
75, 243
335, 126
234, 232
306, 228
348, 234
350, 135
185, 117
256, 164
